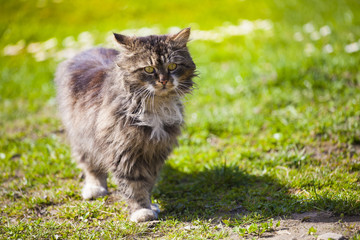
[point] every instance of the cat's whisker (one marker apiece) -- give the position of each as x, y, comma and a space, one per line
153, 102
185, 93
136, 95
139, 92
188, 85
185, 89
147, 99
179, 92
142, 95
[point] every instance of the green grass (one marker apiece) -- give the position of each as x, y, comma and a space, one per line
273, 128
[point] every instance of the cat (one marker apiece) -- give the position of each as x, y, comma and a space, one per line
122, 111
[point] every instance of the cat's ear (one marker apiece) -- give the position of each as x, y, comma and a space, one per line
123, 40
181, 38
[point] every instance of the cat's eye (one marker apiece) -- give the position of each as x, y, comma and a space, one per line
149, 69
172, 66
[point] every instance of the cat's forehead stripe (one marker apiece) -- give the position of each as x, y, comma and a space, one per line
151, 61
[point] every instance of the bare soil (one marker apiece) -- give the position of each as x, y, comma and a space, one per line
297, 226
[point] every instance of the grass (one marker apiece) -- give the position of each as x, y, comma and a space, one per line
273, 129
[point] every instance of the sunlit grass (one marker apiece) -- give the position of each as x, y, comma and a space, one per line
272, 129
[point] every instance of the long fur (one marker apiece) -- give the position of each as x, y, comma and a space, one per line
118, 118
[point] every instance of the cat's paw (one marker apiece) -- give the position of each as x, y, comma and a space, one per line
143, 215
155, 208
92, 192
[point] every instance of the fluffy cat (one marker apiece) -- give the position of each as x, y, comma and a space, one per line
122, 112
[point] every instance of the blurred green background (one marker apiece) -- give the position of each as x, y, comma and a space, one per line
276, 114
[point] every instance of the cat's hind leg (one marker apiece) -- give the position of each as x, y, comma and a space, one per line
95, 179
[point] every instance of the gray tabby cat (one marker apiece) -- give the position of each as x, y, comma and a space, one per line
122, 112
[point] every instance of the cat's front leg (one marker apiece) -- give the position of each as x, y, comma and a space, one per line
95, 185
136, 191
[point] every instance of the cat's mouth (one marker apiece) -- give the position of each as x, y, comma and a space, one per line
164, 91
163, 87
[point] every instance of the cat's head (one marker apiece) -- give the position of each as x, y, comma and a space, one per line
159, 65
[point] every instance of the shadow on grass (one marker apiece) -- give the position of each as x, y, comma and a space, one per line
227, 192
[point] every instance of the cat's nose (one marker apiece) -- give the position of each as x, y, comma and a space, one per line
163, 80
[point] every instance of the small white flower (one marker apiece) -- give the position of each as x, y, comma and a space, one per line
84, 36
277, 136
309, 49
298, 36
49, 44
352, 47
309, 27
110, 39
86, 40
207, 35
239, 79
264, 24
69, 42
173, 30
40, 56
194, 117
328, 48
12, 50
147, 31
325, 30
245, 27
65, 54
33, 47
315, 36
2, 155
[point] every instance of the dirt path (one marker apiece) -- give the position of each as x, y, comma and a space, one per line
297, 227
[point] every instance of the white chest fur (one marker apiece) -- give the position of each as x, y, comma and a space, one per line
157, 117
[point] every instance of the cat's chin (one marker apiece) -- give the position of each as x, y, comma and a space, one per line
164, 92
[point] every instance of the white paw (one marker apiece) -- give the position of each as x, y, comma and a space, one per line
143, 215
155, 208
92, 191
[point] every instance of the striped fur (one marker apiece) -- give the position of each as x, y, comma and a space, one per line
121, 119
